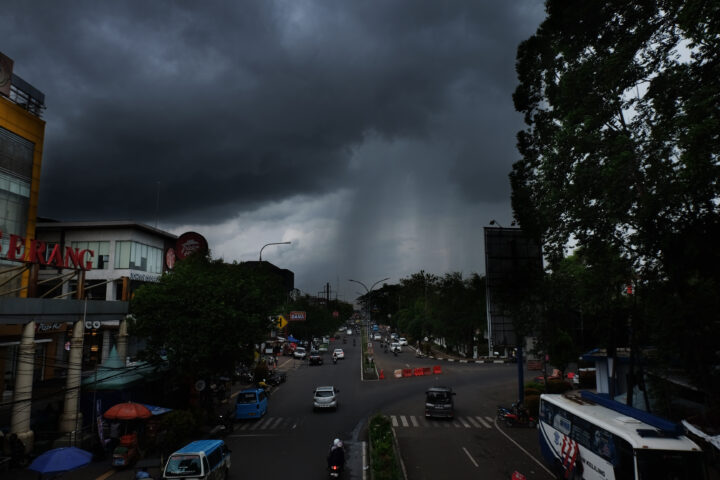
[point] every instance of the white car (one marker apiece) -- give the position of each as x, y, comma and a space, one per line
402, 341
300, 353
395, 347
325, 398
377, 336
338, 352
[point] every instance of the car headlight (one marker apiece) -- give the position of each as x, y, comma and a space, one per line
428, 405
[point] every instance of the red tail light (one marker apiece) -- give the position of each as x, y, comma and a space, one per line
334, 467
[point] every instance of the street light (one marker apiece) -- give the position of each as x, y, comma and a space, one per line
276, 243
368, 290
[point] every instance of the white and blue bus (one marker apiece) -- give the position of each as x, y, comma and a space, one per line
589, 436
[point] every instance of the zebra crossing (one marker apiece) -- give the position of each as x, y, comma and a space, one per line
267, 423
411, 421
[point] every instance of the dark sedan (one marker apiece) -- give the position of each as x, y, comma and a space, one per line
315, 359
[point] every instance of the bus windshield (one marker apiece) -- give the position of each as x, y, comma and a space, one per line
669, 465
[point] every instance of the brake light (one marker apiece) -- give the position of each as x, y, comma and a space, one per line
334, 467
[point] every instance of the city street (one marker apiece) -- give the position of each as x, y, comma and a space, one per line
292, 439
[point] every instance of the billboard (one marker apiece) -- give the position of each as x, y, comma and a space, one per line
511, 258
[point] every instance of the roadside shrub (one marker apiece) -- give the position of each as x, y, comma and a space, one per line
531, 391
177, 427
532, 403
557, 386
536, 386
383, 456
587, 379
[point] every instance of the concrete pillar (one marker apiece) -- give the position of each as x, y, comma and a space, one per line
71, 419
22, 399
122, 340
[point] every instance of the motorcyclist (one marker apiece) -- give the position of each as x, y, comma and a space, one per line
334, 357
336, 457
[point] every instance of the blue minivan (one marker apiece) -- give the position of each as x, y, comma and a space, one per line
251, 403
202, 460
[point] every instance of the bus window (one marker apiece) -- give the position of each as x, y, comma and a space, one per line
669, 465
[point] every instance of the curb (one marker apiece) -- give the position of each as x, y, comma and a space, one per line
462, 360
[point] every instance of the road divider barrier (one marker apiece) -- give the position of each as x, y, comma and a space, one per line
418, 372
437, 370
382, 375
398, 373
427, 371
407, 372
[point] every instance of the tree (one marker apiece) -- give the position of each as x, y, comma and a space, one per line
205, 315
620, 160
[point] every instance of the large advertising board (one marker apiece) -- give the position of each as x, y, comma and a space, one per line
510, 257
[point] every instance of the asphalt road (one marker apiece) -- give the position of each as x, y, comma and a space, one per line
293, 440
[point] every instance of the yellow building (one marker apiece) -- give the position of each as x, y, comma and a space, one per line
22, 131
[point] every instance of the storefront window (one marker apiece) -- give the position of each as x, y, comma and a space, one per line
138, 256
101, 250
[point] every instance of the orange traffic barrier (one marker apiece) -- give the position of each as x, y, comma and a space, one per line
427, 371
398, 373
407, 372
437, 370
517, 476
419, 372
382, 376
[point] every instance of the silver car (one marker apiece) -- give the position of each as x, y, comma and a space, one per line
325, 398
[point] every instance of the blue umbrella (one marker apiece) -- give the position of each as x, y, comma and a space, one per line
61, 460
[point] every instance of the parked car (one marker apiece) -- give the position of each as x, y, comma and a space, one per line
325, 398
439, 402
338, 352
402, 341
315, 358
300, 353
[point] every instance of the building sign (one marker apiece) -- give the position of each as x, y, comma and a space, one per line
50, 327
170, 258
144, 277
189, 243
72, 258
297, 316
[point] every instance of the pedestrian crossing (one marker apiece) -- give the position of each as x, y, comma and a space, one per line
412, 421
267, 423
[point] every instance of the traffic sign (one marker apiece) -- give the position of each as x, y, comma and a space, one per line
297, 316
281, 322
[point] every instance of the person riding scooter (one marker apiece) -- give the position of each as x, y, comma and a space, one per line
336, 458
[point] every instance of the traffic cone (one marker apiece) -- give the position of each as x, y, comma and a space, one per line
382, 376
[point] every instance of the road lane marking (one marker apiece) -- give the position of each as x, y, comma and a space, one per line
106, 475
490, 420
278, 422
523, 450
414, 421
485, 424
470, 457
394, 420
473, 422
464, 423
404, 421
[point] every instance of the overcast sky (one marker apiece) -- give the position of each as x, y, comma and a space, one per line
376, 136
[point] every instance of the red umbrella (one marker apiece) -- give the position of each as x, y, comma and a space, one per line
127, 411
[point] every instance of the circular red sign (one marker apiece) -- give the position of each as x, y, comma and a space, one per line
170, 258
189, 243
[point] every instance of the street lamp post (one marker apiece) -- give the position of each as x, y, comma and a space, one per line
368, 290
276, 243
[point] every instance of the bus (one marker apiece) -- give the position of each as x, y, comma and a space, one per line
589, 436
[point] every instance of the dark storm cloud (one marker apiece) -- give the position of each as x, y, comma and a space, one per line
230, 105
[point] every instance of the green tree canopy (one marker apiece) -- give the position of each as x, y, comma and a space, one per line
205, 315
620, 161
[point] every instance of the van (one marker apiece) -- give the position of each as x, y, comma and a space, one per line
202, 459
251, 403
439, 402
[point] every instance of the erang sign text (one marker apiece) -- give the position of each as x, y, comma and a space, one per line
38, 253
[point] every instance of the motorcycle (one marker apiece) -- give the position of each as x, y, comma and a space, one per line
335, 471
276, 378
334, 359
517, 415
226, 422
